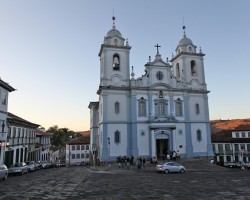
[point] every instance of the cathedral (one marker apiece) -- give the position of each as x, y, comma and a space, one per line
164, 110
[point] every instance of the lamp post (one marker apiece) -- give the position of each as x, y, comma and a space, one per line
108, 139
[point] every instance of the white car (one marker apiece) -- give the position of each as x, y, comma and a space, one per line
3, 172
170, 167
18, 168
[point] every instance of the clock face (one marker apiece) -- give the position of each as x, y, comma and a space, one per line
159, 75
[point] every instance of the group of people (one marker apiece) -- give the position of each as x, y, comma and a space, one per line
130, 161
173, 155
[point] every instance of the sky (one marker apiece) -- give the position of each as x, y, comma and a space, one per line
49, 51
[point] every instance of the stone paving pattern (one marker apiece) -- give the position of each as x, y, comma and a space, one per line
201, 181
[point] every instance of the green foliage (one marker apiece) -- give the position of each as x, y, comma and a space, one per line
60, 136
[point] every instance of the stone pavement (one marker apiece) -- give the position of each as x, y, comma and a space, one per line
201, 181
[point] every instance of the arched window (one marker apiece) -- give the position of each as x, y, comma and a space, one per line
116, 62
197, 109
193, 68
117, 107
198, 135
178, 108
178, 72
190, 49
142, 107
117, 136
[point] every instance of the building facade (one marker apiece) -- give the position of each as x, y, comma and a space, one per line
77, 151
232, 145
164, 110
21, 140
5, 89
42, 146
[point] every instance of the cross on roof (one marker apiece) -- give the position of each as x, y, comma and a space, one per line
157, 46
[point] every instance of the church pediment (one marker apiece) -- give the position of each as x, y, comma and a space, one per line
160, 86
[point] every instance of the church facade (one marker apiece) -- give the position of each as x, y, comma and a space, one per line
164, 110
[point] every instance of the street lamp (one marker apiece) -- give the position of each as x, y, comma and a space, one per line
108, 139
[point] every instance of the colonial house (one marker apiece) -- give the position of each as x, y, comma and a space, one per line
21, 140
77, 150
5, 88
232, 145
43, 145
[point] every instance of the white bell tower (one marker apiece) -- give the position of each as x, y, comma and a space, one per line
187, 64
114, 59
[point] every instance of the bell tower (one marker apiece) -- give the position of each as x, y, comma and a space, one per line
114, 59
187, 64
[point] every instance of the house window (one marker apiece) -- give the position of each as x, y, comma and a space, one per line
249, 134
117, 137
14, 132
198, 135
142, 107
78, 147
87, 155
197, 109
237, 135
116, 62
193, 68
87, 147
82, 147
220, 148
236, 147
243, 134
117, 107
78, 156
73, 148
178, 108
248, 148
4, 98
73, 156
82, 155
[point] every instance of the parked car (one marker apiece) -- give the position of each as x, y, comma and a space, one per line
18, 168
45, 165
3, 172
80, 163
31, 166
38, 165
170, 167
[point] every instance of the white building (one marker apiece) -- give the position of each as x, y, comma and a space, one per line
77, 151
232, 145
21, 139
5, 88
164, 110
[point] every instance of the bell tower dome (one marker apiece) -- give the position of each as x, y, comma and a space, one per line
114, 59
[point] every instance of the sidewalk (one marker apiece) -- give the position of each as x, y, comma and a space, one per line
191, 165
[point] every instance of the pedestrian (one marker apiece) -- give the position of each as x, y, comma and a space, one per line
178, 156
128, 162
174, 155
143, 162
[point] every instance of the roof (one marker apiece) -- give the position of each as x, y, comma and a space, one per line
79, 140
42, 133
225, 136
243, 127
6, 86
13, 119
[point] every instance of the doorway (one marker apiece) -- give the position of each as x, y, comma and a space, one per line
161, 148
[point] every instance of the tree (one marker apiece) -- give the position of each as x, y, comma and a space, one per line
60, 136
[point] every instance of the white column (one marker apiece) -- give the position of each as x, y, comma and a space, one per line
153, 143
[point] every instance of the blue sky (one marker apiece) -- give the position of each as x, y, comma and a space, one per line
49, 51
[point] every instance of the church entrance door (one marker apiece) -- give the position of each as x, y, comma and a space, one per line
161, 148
